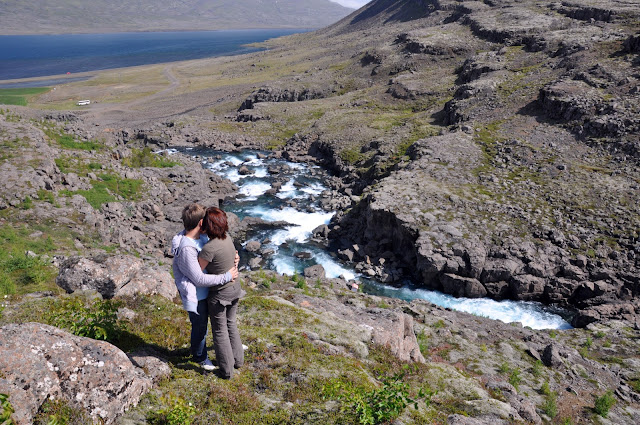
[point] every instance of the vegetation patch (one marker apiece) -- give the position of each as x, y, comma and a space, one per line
111, 188
604, 403
6, 409
58, 412
20, 96
23, 267
146, 158
69, 164
68, 141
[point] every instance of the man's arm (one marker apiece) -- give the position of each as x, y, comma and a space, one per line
188, 263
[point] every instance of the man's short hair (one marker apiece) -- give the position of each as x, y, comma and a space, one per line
191, 216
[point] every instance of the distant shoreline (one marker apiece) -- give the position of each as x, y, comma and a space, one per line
37, 60
88, 31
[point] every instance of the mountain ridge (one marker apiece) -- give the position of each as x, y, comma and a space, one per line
92, 16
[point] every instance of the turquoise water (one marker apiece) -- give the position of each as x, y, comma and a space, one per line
25, 56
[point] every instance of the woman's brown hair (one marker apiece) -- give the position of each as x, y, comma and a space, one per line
215, 223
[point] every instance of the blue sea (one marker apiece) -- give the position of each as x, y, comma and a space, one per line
25, 56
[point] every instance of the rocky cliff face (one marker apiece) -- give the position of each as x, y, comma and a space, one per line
532, 194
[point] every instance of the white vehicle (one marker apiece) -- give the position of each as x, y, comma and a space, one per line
83, 102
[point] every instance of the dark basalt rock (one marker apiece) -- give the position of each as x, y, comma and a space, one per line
274, 94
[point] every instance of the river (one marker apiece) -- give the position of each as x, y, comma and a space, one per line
297, 203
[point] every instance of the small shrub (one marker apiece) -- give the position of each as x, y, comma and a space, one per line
110, 188
423, 343
635, 384
300, 281
146, 158
45, 195
97, 321
604, 403
514, 378
588, 343
380, 405
27, 204
7, 285
68, 141
584, 352
550, 405
553, 333
57, 412
504, 368
181, 413
544, 389
5, 410
439, 324
538, 368
351, 155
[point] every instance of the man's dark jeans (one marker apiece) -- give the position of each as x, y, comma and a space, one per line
199, 324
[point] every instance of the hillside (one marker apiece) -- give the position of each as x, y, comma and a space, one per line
69, 16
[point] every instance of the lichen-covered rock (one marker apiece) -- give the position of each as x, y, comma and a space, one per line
114, 275
388, 328
40, 362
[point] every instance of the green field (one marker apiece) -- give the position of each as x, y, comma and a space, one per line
20, 96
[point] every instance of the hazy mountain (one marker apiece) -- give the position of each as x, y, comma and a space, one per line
73, 16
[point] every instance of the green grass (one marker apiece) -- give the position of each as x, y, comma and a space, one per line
146, 158
20, 96
111, 188
68, 141
351, 155
70, 164
20, 272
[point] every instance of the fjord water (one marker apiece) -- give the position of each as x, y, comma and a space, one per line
297, 204
25, 56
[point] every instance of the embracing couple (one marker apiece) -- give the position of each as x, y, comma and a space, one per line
204, 245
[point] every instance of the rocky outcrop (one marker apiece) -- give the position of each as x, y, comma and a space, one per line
276, 94
598, 10
582, 106
435, 41
40, 362
388, 328
114, 276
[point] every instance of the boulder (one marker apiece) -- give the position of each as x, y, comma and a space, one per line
321, 231
244, 171
389, 328
499, 269
315, 272
150, 281
254, 263
252, 246
462, 286
551, 356
151, 362
114, 275
527, 287
40, 362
